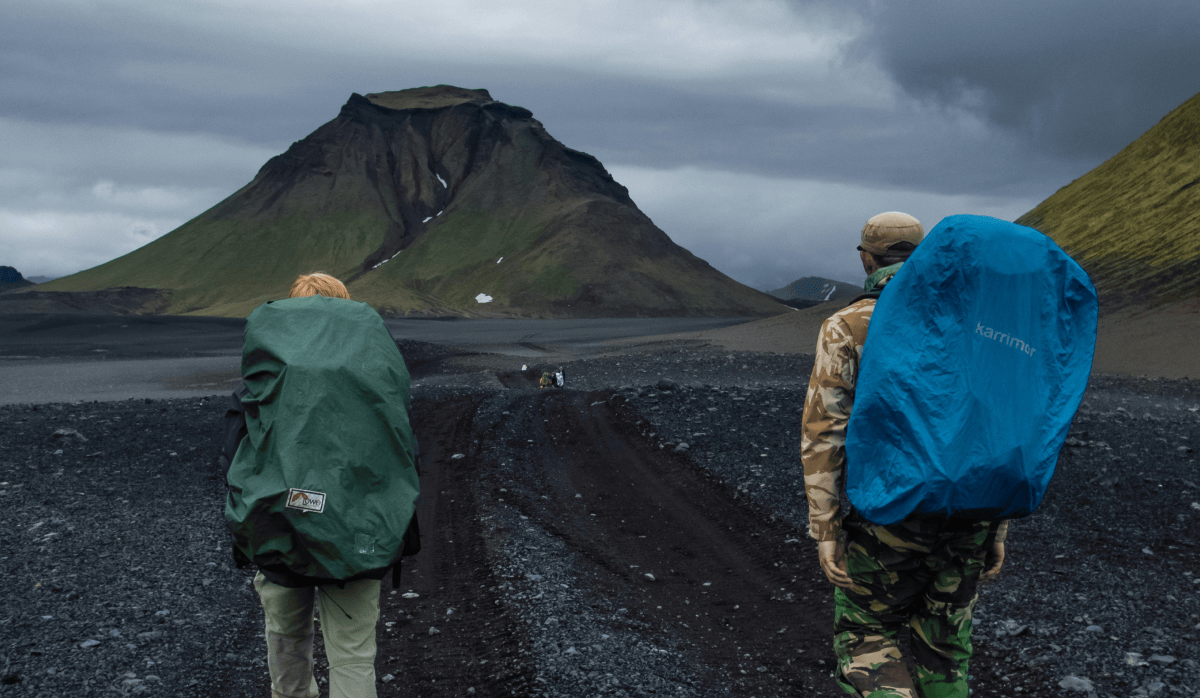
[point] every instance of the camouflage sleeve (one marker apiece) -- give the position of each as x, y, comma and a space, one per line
823, 429
1002, 531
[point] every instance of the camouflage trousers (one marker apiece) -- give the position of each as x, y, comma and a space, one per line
917, 573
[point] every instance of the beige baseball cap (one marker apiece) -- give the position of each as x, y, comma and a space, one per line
887, 229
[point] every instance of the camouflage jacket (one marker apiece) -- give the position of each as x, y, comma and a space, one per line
827, 409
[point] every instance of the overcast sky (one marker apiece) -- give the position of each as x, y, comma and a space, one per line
759, 134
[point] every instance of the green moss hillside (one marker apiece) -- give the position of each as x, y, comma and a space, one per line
1134, 221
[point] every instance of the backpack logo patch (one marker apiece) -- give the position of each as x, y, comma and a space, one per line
306, 500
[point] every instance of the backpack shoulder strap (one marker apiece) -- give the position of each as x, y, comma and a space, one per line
863, 297
411, 546
235, 427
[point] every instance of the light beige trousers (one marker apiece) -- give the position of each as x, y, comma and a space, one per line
348, 619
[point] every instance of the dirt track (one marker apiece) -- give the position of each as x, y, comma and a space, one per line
719, 583
543, 512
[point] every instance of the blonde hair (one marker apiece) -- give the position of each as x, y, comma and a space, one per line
318, 284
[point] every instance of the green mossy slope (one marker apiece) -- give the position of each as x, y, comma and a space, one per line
1134, 221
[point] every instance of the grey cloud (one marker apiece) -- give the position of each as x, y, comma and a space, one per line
1080, 77
658, 125
136, 69
766, 231
143, 69
1073, 81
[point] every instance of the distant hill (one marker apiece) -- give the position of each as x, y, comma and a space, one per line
431, 201
1134, 221
10, 279
811, 290
41, 279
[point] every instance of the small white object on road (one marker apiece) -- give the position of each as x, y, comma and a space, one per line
1135, 659
1076, 683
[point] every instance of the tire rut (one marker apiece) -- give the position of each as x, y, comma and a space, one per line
456, 635
746, 604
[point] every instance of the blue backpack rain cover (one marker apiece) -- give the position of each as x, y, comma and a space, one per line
976, 359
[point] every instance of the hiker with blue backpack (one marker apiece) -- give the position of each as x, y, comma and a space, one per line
921, 441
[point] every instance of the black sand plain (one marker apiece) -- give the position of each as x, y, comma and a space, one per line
638, 533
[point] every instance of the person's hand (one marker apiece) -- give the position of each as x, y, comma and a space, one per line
832, 554
997, 558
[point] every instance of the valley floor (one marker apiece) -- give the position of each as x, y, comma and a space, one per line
626, 536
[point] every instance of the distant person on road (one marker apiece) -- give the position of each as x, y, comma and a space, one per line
922, 572
322, 482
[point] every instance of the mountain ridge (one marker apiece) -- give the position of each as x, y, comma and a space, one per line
11, 279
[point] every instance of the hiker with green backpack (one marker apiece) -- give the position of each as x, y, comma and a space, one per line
920, 442
322, 480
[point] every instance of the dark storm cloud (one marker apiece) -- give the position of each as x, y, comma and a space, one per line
131, 67
1080, 77
119, 65
658, 126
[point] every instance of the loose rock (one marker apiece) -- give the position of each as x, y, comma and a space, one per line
1076, 683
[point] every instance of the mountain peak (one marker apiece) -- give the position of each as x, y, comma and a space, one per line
428, 201
435, 97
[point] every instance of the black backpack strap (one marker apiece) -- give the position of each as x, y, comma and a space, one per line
240, 560
863, 297
411, 546
235, 431
235, 427
412, 537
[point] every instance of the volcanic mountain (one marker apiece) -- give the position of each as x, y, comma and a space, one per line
431, 201
1134, 221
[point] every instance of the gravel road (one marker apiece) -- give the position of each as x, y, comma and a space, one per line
639, 533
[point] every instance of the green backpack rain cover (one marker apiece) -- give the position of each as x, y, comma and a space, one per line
323, 486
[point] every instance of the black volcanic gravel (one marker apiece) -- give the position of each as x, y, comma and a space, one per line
99, 537
115, 563
1101, 583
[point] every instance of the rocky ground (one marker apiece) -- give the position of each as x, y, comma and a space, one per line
639, 533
